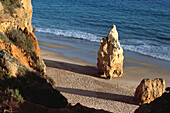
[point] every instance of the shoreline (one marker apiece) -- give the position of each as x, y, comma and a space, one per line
79, 81
87, 50
150, 69
131, 66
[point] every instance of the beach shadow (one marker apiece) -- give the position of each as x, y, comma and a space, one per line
99, 95
87, 70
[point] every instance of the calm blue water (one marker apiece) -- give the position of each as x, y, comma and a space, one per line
143, 25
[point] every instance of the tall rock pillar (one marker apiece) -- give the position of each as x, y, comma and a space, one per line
110, 55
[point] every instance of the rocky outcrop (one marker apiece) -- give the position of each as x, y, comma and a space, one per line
23, 57
148, 90
110, 55
10, 64
159, 105
18, 16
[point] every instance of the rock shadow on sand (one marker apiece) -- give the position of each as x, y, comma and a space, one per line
98, 95
86, 70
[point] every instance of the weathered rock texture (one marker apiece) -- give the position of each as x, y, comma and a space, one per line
159, 105
148, 90
11, 64
110, 55
19, 18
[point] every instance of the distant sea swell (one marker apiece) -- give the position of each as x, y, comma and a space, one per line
135, 45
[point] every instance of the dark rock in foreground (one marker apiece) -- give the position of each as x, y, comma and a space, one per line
28, 107
148, 90
36, 89
159, 105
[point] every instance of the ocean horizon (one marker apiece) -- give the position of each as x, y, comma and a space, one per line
143, 26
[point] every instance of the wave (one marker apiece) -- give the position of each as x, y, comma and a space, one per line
135, 45
71, 33
160, 52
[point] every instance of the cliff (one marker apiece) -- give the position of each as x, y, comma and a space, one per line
24, 85
22, 71
16, 34
15, 13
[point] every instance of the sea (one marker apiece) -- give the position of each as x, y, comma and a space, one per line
143, 25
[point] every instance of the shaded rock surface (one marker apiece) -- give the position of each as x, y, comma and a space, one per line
148, 90
110, 55
35, 89
28, 107
159, 105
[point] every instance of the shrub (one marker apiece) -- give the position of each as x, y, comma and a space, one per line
14, 94
4, 74
11, 3
10, 100
25, 42
21, 40
4, 38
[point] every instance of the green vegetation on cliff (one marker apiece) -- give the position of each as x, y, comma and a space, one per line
11, 3
24, 42
9, 98
21, 40
4, 38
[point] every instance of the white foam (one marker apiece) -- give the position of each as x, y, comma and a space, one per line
160, 52
71, 33
135, 45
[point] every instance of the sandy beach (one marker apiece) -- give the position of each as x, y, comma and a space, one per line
79, 81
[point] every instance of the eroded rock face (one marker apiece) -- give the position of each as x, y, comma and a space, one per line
110, 55
23, 57
148, 90
16, 16
19, 18
10, 64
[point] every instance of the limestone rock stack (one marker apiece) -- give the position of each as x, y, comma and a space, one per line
110, 55
148, 90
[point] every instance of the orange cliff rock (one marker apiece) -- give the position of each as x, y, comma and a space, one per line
20, 18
